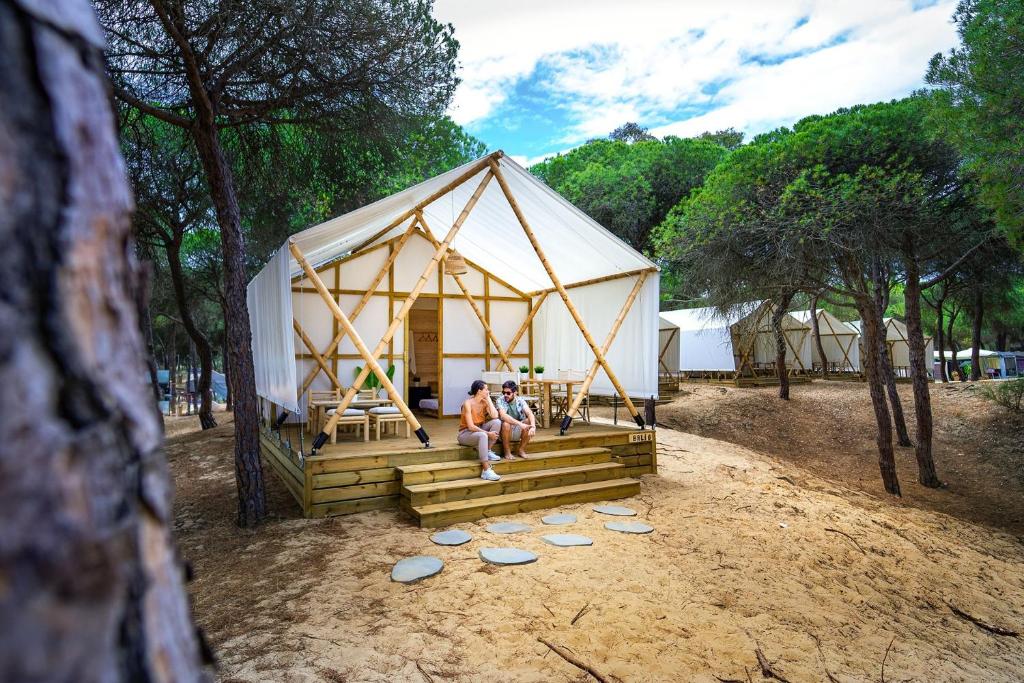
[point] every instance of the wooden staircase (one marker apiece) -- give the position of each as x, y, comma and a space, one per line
443, 493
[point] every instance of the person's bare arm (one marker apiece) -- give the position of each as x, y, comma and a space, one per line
492, 412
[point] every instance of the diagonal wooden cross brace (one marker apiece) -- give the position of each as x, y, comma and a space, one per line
592, 373
563, 293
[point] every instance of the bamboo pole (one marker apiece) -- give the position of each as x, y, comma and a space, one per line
565, 295
400, 317
316, 354
595, 280
592, 373
332, 347
668, 343
371, 363
526, 323
476, 168
472, 302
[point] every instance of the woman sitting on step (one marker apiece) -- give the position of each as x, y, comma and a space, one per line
479, 426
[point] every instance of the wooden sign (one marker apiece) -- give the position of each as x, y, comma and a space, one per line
641, 437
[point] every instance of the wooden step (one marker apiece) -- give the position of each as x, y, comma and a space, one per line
517, 482
467, 469
443, 514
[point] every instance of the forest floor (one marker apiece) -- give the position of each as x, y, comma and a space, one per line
783, 559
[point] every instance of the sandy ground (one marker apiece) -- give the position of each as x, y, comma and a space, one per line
749, 554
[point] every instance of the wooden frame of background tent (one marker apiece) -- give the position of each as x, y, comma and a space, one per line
748, 353
441, 250
664, 350
846, 350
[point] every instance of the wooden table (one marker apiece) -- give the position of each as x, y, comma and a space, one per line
546, 385
315, 408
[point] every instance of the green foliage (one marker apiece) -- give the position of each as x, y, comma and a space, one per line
1009, 393
524, 369
629, 187
980, 99
538, 368
372, 381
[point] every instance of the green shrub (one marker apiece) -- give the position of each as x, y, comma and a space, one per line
1008, 394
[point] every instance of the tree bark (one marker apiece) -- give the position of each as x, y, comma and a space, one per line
889, 380
977, 311
252, 502
940, 337
202, 344
782, 372
92, 587
142, 296
876, 387
816, 331
953, 350
926, 474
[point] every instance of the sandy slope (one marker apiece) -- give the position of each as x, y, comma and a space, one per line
741, 559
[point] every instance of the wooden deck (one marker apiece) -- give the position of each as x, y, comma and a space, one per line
441, 485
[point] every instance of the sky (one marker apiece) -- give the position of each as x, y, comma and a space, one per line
543, 76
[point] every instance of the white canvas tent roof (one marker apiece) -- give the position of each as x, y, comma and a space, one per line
577, 248
839, 340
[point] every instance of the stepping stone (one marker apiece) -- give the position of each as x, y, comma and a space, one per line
508, 527
567, 540
413, 569
629, 527
505, 556
616, 510
559, 519
452, 537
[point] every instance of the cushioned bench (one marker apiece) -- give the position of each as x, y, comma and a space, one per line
387, 415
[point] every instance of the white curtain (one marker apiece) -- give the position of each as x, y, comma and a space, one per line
269, 300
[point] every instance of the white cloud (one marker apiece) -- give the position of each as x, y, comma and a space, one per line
609, 62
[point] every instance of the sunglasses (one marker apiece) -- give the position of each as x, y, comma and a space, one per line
507, 392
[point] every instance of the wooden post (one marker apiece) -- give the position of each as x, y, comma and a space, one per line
371, 361
385, 269
565, 295
371, 358
316, 354
585, 387
472, 303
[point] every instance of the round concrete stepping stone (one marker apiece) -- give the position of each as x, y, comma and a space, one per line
413, 569
567, 540
629, 527
452, 537
507, 556
616, 510
508, 527
559, 519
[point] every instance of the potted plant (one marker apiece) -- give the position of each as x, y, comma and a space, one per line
372, 381
524, 372
538, 372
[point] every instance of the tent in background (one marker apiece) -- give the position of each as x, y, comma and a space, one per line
899, 349
839, 341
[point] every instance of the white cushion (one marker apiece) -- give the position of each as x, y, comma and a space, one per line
349, 412
385, 410
428, 403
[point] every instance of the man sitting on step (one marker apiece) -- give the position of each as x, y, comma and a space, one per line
518, 422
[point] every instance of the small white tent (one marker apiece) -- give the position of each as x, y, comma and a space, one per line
387, 261
738, 342
899, 349
839, 341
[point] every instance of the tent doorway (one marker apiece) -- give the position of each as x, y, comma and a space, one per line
424, 370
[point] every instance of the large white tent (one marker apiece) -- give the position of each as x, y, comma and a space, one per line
896, 343
385, 246
839, 341
736, 341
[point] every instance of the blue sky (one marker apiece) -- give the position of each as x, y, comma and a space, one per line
540, 77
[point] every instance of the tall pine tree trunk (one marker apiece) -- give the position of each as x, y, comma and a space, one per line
92, 588
953, 350
889, 380
977, 311
919, 377
199, 340
816, 331
781, 371
876, 387
252, 501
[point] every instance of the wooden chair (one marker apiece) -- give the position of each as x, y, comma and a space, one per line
532, 392
387, 415
319, 398
560, 399
352, 417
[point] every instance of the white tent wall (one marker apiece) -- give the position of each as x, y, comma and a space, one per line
705, 343
836, 337
798, 354
270, 316
633, 356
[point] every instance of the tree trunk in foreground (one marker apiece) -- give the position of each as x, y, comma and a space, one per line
889, 380
953, 350
926, 473
92, 589
977, 311
199, 340
252, 501
781, 371
876, 387
940, 338
816, 331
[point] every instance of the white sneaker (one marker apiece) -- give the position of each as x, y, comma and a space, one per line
493, 457
490, 475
